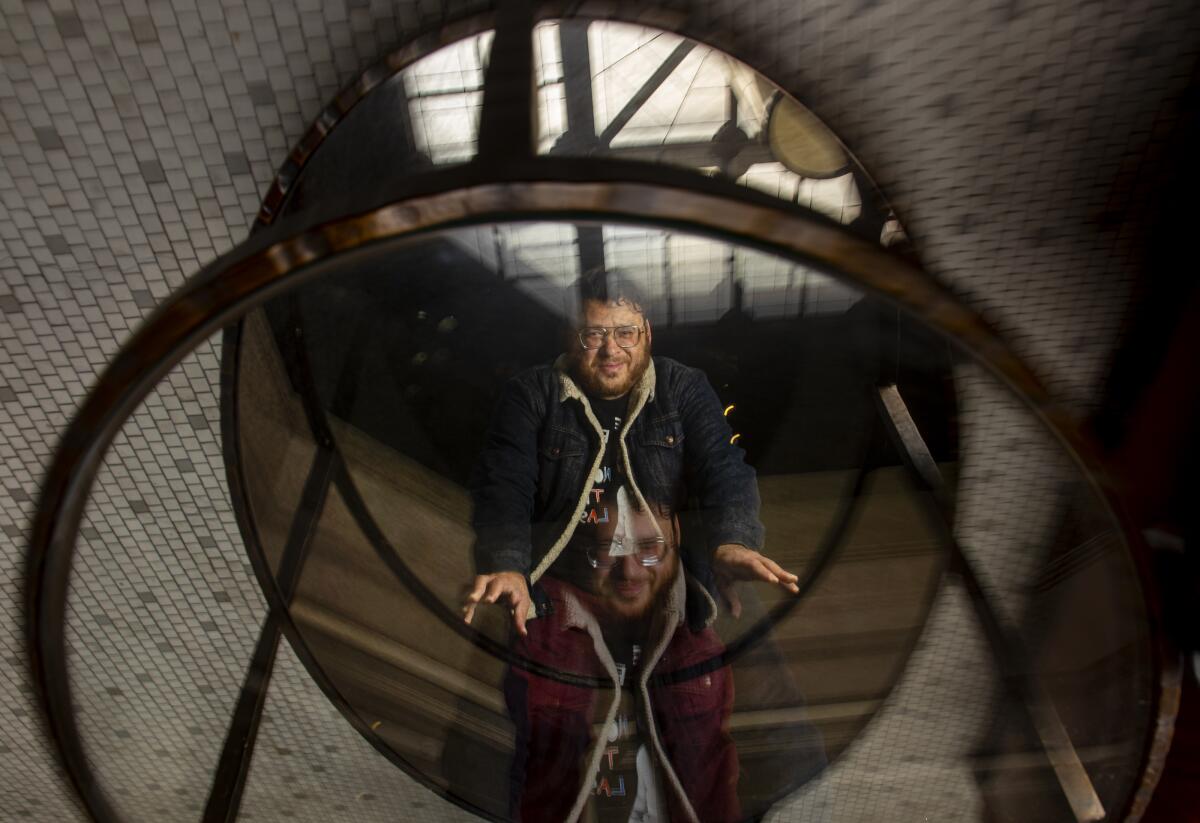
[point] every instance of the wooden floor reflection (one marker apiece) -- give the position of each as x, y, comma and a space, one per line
423, 689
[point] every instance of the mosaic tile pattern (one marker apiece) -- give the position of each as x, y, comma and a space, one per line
1005, 518
164, 609
315, 767
1013, 140
911, 762
138, 137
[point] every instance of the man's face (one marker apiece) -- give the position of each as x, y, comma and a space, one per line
610, 371
624, 588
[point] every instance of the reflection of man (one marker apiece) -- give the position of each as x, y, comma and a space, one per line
620, 611
607, 415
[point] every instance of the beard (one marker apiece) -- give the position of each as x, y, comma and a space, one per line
590, 374
615, 609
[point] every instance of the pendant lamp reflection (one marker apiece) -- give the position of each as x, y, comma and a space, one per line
802, 142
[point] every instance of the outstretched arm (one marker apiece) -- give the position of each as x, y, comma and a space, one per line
727, 488
503, 484
732, 563
716, 470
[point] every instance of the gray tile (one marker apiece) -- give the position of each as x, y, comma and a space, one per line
152, 171
48, 138
57, 244
69, 24
236, 162
143, 29
261, 93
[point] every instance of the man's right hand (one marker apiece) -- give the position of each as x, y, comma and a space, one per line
491, 588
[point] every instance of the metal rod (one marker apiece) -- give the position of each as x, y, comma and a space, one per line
1004, 642
645, 92
668, 288
580, 136
278, 586
577, 85
507, 122
225, 796
224, 799
590, 241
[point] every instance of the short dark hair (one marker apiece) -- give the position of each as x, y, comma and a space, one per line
611, 287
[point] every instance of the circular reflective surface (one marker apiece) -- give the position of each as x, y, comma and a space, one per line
604, 89
405, 360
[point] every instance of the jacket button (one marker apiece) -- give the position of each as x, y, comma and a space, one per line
670, 440
554, 452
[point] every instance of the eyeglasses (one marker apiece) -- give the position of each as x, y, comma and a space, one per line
649, 552
593, 337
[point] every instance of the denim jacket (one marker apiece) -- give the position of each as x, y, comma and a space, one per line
532, 479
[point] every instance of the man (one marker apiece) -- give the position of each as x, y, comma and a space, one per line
647, 747
607, 414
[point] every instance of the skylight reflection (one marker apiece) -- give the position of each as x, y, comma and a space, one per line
445, 96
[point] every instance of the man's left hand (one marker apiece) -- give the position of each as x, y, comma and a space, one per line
733, 562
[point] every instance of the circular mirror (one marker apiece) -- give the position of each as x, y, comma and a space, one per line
406, 367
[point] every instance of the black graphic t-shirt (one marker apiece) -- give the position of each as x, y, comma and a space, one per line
616, 780
601, 503
626, 787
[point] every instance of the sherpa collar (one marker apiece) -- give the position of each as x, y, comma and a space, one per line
642, 393
568, 389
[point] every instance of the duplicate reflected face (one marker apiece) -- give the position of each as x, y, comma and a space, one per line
610, 371
624, 588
